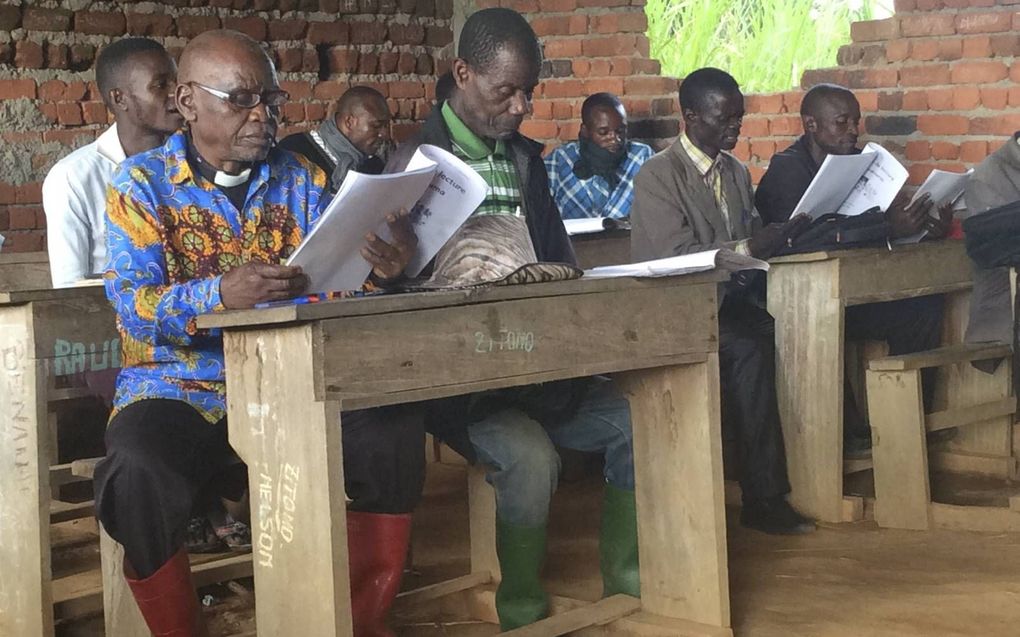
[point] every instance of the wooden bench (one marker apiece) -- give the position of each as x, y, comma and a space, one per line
900, 427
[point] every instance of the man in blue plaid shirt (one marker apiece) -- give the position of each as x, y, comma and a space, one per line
594, 176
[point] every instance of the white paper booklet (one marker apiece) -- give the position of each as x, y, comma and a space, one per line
684, 264
944, 187
440, 190
594, 225
852, 184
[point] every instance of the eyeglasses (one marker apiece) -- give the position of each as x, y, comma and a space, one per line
247, 99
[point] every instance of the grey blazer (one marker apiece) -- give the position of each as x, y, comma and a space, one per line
995, 182
675, 212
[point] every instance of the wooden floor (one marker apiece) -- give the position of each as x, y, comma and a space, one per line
843, 581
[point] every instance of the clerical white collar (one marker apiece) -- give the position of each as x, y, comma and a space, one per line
227, 180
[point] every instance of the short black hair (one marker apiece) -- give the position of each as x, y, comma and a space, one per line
489, 31
359, 96
702, 83
599, 100
114, 56
821, 92
445, 87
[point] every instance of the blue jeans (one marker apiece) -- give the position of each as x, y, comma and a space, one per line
520, 454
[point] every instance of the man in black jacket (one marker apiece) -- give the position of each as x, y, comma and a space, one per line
355, 138
831, 118
514, 432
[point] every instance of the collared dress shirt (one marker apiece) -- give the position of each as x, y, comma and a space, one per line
579, 198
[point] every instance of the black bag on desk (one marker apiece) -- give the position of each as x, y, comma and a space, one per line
993, 237
833, 232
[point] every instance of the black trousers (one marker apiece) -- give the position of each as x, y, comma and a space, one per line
908, 326
750, 413
162, 457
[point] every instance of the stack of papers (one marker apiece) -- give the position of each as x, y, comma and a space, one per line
852, 184
593, 225
684, 264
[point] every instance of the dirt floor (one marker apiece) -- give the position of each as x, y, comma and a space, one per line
849, 580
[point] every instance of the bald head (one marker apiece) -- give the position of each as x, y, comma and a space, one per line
363, 116
221, 74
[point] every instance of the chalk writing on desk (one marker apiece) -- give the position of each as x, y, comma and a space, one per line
15, 410
276, 505
71, 357
506, 341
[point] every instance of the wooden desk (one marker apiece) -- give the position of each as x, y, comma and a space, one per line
24, 271
291, 370
610, 247
46, 337
807, 295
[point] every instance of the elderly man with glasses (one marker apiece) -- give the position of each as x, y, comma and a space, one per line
200, 224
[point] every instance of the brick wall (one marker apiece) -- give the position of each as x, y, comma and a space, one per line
937, 82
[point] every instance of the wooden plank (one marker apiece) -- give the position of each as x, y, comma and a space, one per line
568, 336
10, 258
482, 524
46, 293
902, 490
292, 446
77, 333
602, 248
928, 268
389, 303
600, 612
967, 386
856, 465
982, 519
959, 353
950, 418
121, 616
681, 512
974, 463
26, 601
85, 467
23, 275
853, 508
222, 569
442, 589
61, 474
809, 382
66, 511
644, 624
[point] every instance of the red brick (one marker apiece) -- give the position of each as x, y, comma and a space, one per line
764, 103
889, 101
787, 125
286, 29
942, 124
944, 150
1005, 45
1002, 124
405, 63
763, 149
924, 75
633, 22
368, 32
10, 17
315, 112
293, 112
30, 192
438, 36
151, 24
872, 78
388, 61
810, 77
58, 56
978, 46
643, 66
649, 85
995, 98
978, 72
99, 23
602, 3
521, 6
406, 33
897, 50
984, 22
551, 25
49, 112
29, 55
22, 217
71, 138
328, 33
401, 132
188, 26
69, 114
561, 110
742, 150
402, 89
24, 242
1014, 96
874, 30
792, 100
924, 50
918, 173
918, 150
39, 19
342, 60
252, 26
557, 6
973, 152
298, 90
966, 98
424, 66
941, 99
755, 127
563, 88
94, 113
612, 85
52, 90
868, 100
329, 90
75, 91
608, 46
927, 24
367, 63
538, 129
950, 49
562, 48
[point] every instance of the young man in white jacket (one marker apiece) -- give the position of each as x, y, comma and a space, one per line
136, 77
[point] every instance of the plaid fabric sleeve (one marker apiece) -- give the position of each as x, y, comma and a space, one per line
622, 197
570, 194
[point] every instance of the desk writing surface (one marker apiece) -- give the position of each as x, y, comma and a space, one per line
388, 303
24, 270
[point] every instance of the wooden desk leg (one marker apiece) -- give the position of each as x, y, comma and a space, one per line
809, 383
26, 597
681, 514
292, 445
120, 612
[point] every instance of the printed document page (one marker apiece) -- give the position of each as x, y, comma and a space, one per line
836, 177
878, 186
682, 264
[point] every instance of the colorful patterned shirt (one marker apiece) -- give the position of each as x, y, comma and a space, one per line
579, 198
491, 162
171, 236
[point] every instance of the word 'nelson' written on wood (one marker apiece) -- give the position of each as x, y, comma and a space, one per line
14, 410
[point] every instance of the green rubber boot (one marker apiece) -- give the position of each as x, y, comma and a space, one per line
520, 599
618, 546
